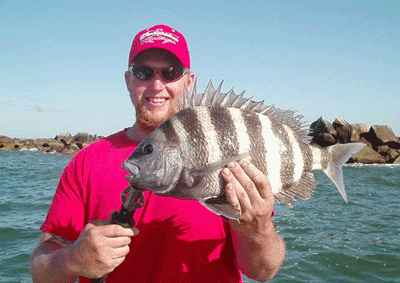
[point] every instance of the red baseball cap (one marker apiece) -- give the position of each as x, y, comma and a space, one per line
164, 37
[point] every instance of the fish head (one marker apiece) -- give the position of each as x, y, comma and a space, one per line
155, 165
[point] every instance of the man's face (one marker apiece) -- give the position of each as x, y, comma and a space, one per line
156, 99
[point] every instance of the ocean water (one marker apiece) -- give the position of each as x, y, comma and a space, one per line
327, 240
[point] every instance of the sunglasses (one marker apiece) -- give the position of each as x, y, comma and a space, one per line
168, 74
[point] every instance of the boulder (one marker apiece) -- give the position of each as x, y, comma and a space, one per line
29, 144
56, 146
344, 134
66, 138
71, 149
381, 134
340, 122
322, 126
368, 155
6, 143
357, 130
324, 139
388, 153
5, 139
84, 138
397, 161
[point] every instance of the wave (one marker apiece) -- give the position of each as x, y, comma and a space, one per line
386, 165
34, 149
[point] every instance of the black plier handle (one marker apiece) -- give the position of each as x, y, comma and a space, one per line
132, 198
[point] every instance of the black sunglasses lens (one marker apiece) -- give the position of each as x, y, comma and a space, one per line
172, 73
142, 72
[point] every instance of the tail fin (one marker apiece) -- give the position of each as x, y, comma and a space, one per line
339, 154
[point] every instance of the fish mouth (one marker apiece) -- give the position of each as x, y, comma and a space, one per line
133, 182
132, 169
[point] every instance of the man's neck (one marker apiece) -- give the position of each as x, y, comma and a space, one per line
137, 133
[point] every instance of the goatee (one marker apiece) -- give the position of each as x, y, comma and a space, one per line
150, 121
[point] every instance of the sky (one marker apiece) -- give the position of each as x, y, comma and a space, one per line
62, 63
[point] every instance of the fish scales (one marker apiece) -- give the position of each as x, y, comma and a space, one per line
286, 155
298, 161
240, 130
254, 134
223, 123
186, 154
273, 159
189, 125
227, 136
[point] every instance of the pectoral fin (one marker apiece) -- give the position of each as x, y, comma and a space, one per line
208, 169
221, 207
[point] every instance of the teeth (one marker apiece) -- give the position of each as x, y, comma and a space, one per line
157, 100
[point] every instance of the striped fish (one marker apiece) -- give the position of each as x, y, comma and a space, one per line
184, 156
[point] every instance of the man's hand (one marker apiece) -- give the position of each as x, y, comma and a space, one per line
259, 249
100, 248
249, 189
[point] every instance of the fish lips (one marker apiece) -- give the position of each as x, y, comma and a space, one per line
136, 179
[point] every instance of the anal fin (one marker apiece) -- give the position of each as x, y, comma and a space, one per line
303, 189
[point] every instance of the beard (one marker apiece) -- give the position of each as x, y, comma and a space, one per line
150, 121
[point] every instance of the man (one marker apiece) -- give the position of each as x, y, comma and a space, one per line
179, 240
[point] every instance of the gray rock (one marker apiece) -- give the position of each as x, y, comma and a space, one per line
383, 134
66, 138
357, 130
322, 126
368, 155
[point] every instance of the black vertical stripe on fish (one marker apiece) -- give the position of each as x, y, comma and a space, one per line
170, 132
197, 141
257, 143
226, 133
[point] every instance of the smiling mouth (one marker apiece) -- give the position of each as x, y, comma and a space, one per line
157, 100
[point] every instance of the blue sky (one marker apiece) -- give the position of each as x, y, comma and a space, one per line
62, 63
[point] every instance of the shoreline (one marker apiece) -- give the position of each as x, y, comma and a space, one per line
383, 146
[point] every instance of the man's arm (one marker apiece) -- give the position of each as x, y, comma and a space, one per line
100, 248
260, 251
49, 261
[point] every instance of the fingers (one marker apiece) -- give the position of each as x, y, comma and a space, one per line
249, 182
100, 248
259, 179
248, 189
230, 192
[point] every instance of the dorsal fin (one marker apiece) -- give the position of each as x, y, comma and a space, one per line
212, 97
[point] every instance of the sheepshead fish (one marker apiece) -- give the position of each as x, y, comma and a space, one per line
184, 156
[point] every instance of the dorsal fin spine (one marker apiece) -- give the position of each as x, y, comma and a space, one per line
236, 101
211, 97
217, 94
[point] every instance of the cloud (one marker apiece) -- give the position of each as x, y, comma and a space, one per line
6, 102
45, 109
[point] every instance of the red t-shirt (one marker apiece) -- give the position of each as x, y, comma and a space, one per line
179, 240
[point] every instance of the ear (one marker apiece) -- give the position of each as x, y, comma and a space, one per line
128, 80
190, 81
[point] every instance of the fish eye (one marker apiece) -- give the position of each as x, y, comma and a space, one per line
148, 148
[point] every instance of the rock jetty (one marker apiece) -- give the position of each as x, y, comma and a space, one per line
383, 146
63, 143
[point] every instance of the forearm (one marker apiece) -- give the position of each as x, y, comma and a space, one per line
51, 264
259, 256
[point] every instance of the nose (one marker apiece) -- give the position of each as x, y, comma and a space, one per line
157, 83
131, 168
